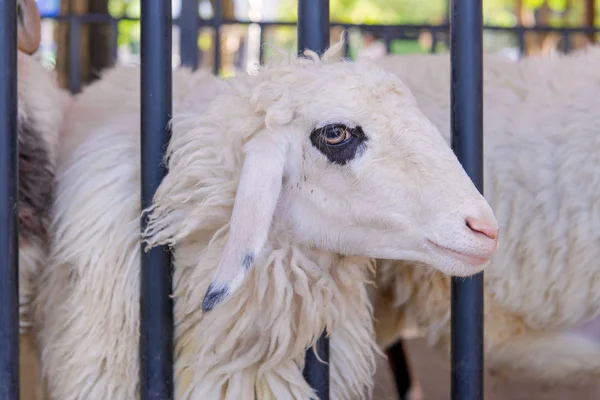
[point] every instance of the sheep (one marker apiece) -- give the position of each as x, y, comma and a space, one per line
41, 105
542, 179
282, 188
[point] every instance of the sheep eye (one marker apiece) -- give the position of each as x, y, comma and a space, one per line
335, 134
338, 142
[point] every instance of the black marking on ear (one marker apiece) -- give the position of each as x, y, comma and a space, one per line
20, 17
248, 260
214, 296
343, 152
36, 183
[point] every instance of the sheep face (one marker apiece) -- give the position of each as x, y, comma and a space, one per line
367, 174
347, 161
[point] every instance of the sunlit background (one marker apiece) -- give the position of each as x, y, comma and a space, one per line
241, 44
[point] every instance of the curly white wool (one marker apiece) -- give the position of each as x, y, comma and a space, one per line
309, 251
542, 178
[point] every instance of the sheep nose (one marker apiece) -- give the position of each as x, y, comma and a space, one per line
489, 229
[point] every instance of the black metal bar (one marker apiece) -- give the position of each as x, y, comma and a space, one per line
394, 29
217, 22
313, 25
156, 341
188, 38
387, 39
313, 34
74, 59
566, 41
316, 370
434, 41
399, 364
114, 41
346, 43
467, 141
261, 49
521, 42
9, 177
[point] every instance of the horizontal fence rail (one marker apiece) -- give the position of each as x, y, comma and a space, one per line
9, 241
190, 24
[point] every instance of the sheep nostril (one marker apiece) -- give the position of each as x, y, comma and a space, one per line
484, 227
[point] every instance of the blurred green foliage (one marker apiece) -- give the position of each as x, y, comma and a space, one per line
496, 12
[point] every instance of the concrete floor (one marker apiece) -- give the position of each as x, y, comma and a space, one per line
434, 376
432, 371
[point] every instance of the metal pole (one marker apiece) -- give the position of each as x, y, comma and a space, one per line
313, 25
313, 34
188, 26
9, 241
467, 141
399, 364
590, 18
156, 342
217, 21
74, 59
316, 372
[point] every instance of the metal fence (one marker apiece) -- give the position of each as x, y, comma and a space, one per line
190, 23
156, 342
9, 302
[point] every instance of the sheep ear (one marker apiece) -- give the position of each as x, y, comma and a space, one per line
29, 26
257, 196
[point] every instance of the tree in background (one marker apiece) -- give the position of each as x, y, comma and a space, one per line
507, 13
95, 46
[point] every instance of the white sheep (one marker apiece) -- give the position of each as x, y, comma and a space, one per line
41, 107
542, 179
281, 185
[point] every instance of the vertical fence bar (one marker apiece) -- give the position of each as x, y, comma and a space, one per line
566, 39
521, 41
9, 241
434, 41
466, 29
156, 306
313, 34
590, 18
387, 39
114, 41
74, 50
346, 42
188, 28
217, 21
261, 49
313, 25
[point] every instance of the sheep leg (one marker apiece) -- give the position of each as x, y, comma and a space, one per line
31, 255
29, 370
407, 381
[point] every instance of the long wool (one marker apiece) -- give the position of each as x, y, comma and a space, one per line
252, 346
542, 164
41, 108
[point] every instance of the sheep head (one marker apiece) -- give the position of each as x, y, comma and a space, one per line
28, 26
338, 156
